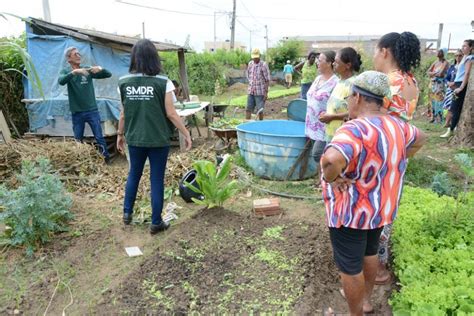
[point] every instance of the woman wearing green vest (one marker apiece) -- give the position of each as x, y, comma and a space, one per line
308, 72
145, 124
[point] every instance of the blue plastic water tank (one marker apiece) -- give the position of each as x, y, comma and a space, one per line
271, 148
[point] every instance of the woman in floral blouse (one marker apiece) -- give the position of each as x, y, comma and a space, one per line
318, 95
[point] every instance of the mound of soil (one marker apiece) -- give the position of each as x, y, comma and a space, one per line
223, 262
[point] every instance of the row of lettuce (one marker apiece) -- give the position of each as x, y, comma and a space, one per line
433, 250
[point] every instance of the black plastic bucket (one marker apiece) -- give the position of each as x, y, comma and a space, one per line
186, 193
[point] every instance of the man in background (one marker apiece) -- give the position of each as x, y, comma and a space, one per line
288, 72
258, 76
81, 95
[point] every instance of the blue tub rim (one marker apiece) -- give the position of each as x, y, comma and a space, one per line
266, 134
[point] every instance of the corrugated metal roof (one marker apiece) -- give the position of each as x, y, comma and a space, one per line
41, 27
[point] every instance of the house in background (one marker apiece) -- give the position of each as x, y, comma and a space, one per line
210, 47
365, 43
46, 44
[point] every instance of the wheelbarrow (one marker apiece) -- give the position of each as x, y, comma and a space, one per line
225, 134
215, 110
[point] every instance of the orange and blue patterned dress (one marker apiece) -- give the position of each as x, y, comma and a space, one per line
375, 149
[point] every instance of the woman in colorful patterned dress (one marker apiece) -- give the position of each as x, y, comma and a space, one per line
363, 169
396, 55
347, 62
318, 95
437, 72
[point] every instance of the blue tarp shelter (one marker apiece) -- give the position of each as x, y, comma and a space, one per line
47, 42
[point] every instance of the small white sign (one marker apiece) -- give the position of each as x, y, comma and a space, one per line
133, 251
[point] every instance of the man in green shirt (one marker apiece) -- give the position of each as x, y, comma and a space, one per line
81, 95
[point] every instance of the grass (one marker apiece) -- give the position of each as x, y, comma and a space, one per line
239, 97
436, 157
275, 94
274, 232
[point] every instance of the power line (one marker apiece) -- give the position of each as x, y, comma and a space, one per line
279, 18
161, 9
245, 7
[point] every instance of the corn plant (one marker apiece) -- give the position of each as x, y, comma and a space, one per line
213, 182
35, 210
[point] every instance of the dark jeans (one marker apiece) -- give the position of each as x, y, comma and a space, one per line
318, 150
92, 118
304, 89
456, 106
157, 157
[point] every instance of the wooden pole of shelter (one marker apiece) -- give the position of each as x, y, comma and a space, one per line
183, 74
440, 36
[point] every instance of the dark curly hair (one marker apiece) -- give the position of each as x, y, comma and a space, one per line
405, 48
349, 55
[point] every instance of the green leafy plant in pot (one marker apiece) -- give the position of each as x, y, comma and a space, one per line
214, 184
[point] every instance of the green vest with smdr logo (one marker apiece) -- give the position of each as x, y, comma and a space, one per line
143, 100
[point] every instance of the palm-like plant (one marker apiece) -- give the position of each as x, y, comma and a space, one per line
12, 47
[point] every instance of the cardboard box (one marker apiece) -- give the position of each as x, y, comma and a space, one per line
267, 207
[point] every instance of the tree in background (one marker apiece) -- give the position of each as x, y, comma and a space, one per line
285, 50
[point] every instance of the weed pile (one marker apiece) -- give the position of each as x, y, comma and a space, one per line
82, 169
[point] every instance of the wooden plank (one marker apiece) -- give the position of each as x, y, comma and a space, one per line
5, 135
183, 74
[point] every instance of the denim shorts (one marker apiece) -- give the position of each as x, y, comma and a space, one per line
255, 103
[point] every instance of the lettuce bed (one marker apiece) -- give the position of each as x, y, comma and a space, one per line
433, 248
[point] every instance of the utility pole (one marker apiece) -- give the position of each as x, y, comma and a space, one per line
266, 37
232, 34
440, 35
143, 29
449, 41
46, 11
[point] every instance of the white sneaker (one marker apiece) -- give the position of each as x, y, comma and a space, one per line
448, 134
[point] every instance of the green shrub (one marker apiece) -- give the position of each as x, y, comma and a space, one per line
283, 51
442, 184
214, 184
35, 210
203, 70
433, 246
421, 170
